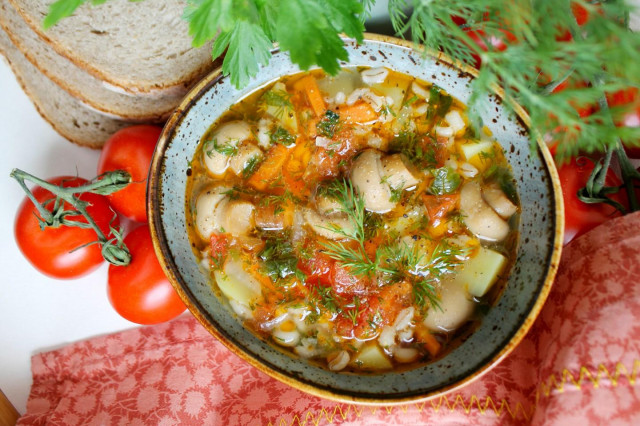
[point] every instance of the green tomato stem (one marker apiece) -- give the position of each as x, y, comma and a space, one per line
113, 249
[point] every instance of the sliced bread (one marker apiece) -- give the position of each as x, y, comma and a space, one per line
65, 114
136, 47
77, 81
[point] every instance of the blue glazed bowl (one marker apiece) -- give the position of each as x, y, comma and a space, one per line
541, 231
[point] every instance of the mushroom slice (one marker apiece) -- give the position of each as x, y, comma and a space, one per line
396, 173
273, 217
206, 219
236, 215
338, 361
366, 176
328, 205
498, 200
225, 139
245, 155
479, 216
328, 226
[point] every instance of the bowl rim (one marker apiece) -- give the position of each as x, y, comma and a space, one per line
169, 267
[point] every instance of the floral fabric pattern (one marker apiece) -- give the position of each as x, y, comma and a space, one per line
579, 364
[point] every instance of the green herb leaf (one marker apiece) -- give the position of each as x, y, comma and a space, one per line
445, 181
310, 31
279, 258
328, 124
60, 9
212, 145
282, 136
251, 166
208, 17
247, 47
419, 149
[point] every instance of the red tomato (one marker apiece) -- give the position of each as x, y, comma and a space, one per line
629, 101
581, 217
56, 252
130, 149
582, 16
353, 322
348, 285
584, 110
498, 43
140, 291
580, 13
318, 269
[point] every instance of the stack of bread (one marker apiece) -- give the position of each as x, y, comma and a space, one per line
105, 66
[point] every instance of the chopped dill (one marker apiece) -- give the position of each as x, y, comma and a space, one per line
419, 149
212, 145
329, 124
251, 166
279, 259
282, 136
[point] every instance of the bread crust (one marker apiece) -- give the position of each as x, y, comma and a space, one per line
108, 125
133, 114
180, 84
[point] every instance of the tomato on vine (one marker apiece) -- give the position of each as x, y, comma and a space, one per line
627, 101
486, 42
581, 216
130, 149
62, 251
140, 291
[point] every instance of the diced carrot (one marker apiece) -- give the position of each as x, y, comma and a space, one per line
295, 167
431, 344
309, 86
360, 112
371, 246
312, 130
438, 206
261, 277
270, 168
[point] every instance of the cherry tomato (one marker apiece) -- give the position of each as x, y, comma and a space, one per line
584, 110
130, 149
582, 16
499, 43
581, 217
140, 292
629, 102
59, 252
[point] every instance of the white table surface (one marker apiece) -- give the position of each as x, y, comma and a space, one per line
38, 313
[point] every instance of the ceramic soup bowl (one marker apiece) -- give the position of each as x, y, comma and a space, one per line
506, 323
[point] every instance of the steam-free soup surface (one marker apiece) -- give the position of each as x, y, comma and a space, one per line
356, 220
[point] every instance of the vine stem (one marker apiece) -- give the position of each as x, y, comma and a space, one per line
113, 249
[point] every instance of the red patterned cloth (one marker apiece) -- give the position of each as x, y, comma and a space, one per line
578, 365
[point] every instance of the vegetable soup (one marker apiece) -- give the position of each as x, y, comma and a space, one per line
356, 221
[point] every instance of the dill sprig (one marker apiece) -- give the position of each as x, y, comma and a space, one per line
404, 261
355, 259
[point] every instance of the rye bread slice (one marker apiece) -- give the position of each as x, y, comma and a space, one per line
65, 114
136, 47
80, 83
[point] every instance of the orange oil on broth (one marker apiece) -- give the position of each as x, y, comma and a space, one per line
352, 302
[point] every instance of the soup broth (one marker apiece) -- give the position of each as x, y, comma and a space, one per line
356, 221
